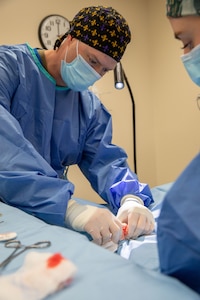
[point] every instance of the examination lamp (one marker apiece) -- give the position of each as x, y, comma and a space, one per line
120, 77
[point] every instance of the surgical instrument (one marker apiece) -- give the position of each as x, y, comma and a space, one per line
18, 246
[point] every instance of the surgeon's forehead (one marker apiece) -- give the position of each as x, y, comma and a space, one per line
189, 25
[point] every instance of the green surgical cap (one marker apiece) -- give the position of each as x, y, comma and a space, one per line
181, 8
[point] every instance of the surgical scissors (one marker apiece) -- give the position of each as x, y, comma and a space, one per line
17, 245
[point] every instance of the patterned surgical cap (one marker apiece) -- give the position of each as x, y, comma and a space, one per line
102, 28
181, 8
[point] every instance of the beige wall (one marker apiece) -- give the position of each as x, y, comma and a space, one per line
166, 111
176, 116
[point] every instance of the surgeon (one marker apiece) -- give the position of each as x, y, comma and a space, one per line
49, 120
179, 221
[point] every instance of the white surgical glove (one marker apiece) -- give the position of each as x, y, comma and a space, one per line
139, 218
100, 223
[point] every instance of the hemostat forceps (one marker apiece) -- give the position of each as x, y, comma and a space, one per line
19, 248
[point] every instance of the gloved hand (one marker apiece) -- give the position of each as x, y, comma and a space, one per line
139, 218
113, 246
100, 223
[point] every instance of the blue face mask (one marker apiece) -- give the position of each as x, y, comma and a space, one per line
78, 75
191, 62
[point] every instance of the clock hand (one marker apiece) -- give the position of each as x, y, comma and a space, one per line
58, 26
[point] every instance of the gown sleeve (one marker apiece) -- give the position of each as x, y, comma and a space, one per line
27, 181
178, 232
105, 164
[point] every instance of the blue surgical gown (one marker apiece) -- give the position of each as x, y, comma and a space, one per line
45, 128
178, 232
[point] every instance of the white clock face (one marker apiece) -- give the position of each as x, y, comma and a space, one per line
51, 28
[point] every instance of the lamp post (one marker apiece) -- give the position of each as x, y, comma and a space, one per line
119, 78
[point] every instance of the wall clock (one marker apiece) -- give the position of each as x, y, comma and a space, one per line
51, 28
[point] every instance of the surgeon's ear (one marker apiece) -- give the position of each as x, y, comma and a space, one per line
70, 38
